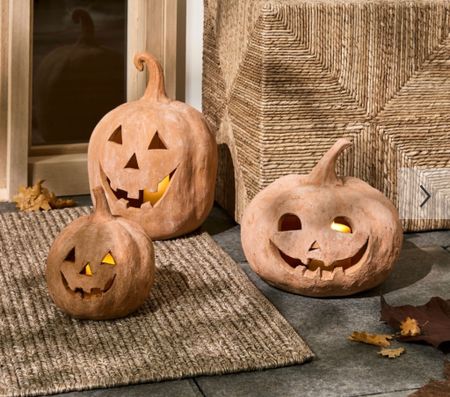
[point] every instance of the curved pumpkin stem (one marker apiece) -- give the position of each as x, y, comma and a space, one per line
87, 26
101, 204
155, 87
325, 170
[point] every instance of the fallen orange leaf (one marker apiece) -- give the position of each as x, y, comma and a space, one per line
37, 198
371, 339
391, 353
433, 317
409, 327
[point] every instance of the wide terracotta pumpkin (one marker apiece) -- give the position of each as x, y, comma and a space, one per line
320, 234
100, 266
76, 85
156, 160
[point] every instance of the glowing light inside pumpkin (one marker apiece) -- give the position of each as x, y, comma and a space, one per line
87, 271
108, 259
340, 227
154, 197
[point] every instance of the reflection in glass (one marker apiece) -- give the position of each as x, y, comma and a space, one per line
78, 67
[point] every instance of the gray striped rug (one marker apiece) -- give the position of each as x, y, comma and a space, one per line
204, 317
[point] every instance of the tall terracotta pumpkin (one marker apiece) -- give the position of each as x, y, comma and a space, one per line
156, 160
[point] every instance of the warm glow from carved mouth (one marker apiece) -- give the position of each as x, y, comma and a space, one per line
145, 195
154, 197
93, 293
315, 268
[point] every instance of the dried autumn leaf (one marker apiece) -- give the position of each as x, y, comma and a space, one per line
409, 327
433, 317
57, 202
391, 353
371, 339
37, 198
436, 388
32, 198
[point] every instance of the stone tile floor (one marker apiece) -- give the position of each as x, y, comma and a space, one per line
341, 368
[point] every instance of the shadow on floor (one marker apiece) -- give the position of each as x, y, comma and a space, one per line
413, 265
217, 222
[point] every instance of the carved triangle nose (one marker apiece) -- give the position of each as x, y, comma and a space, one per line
314, 246
157, 142
87, 270
132, 162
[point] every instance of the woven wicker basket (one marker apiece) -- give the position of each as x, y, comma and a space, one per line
284, 79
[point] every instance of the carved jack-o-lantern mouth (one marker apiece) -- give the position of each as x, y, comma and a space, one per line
92, 293
146, 197
315, 268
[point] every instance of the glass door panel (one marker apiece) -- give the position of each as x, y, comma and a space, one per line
79, 50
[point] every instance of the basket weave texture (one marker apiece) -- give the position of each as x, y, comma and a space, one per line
282, 80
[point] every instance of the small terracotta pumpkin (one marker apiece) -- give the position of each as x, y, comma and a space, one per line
320, 234
76, 85
100, 266
156, 160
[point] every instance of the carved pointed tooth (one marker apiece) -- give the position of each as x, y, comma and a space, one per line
113, 185
301, 270
338, 272
122, 203
146, 205
327, 275
312, 273
133, 194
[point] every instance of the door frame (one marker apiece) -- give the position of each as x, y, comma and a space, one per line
157, 26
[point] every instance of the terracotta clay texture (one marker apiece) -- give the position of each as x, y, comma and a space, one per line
76, 85
320, 234
100, 266
156, 160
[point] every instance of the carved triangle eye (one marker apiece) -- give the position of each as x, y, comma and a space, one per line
70, 257
116, 136
341, 224
289, 222
108, 259
132, 162
157, 143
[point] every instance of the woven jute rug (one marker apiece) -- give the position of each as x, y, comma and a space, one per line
204, 316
